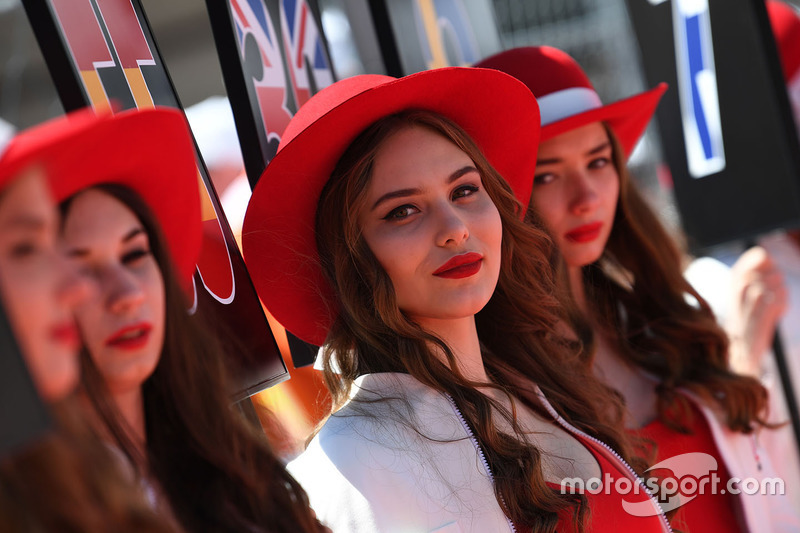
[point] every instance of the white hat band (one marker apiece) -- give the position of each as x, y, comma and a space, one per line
567, 102
6, 134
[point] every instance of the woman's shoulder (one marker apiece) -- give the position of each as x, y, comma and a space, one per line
396, 454
391, 408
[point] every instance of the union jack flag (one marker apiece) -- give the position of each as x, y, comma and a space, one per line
305, 63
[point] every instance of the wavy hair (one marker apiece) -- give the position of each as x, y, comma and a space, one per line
638, 295
518, 330
216, 472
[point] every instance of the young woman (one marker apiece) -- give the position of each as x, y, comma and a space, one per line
65, 481
663, 352
384, 231
156, 383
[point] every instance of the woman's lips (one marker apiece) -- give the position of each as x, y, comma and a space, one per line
460, 266
585, 233
130, 337
66, 333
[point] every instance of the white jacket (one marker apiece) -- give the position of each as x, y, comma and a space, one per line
745, 458
406, 463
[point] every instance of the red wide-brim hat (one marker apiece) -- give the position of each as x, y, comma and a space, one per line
149, 151
278, 236
567, 99
785, 23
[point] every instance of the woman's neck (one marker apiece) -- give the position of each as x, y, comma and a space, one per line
612, 368
461, 336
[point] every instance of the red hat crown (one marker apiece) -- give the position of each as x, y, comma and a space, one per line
567, 100
556, 80
327, 99
278, 235
785, 24
149, 151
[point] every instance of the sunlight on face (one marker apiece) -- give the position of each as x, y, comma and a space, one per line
576, 190
40, 287
432, 226
123, 326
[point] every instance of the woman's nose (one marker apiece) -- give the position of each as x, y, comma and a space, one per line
73, 287
583, 198
122, 289
453, 229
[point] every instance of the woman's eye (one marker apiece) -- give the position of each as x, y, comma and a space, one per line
24, 249
600, 162
134, 255
543, 179
399, 213
464, 191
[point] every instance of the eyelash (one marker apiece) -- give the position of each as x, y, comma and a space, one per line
133, 255
471, 189
593, 165
393, 214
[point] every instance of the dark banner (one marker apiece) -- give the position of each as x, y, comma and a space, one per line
102, 53
726, 122
274, 57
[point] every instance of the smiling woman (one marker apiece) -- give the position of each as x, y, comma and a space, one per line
441, 200
400, 247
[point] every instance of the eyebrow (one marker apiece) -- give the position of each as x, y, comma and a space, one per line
401, 193
26, 222
596, 149
133, 233
83, 252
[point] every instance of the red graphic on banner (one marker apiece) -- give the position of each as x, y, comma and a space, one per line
126, 33
84, 35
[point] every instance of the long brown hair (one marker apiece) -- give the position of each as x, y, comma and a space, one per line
638, 296
69, 481
517, 330
217, 473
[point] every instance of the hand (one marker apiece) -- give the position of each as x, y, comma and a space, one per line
759, 300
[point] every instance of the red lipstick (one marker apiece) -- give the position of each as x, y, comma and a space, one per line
585, 233
66, 333
460, 266
130, 337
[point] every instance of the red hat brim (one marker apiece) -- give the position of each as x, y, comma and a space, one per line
149, 151
628, 118
278, 234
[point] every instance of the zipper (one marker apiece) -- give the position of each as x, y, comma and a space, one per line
566, 425
572, 429
478, 449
